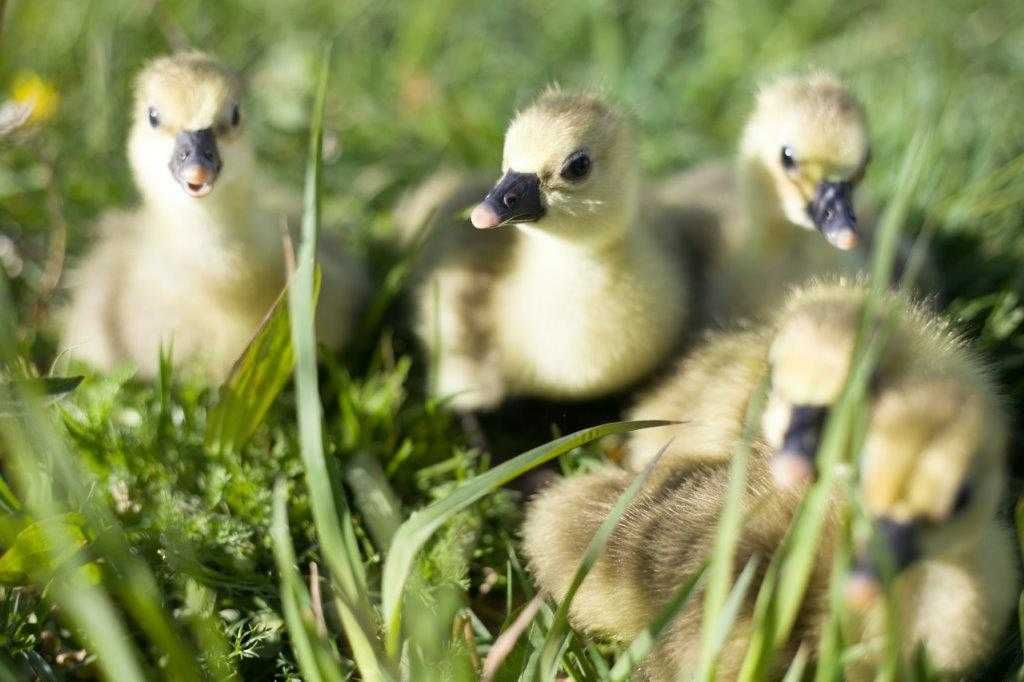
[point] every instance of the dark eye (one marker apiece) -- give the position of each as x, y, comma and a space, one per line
788, 159
236, 116
576, 167
963, 498
154, 117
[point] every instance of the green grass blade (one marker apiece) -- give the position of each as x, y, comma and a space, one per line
830, 651
724, 554
558, 634
726, 616
418, 528
9, 502
798, 666
887, 240
346, 568
641, 645
254, 382
295, 601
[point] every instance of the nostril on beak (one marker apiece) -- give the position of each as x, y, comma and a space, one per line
510, 200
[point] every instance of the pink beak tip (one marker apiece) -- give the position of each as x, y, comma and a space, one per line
483, 217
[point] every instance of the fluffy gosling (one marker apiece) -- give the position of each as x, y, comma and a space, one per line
932, 476
803, 151
197, 265
564, 290
805, 351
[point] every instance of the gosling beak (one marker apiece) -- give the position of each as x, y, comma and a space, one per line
793, 464
196, 162
832, 213
893, 548
515, 199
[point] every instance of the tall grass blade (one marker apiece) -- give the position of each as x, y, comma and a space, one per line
254, 382
9, 502
351, 596
724, 555
726, 616
887, 241
295, 601
798, 666
417, 529
830, 651
558, 634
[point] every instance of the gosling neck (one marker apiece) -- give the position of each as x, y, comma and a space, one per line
228, 216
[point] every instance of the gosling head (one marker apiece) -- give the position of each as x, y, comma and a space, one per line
187, 141
807, 145
810, 357
932, 475
569, 170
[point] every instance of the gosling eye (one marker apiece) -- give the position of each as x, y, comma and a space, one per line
154, 117
788, 158
576, 167
963, 499
236, 116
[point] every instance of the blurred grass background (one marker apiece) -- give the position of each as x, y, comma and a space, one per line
417, 85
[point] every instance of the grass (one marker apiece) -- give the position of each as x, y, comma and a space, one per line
172, 530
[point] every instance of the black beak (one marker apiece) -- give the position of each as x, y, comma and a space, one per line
832, 213
893, 547
794, 463
515, 199
196, 162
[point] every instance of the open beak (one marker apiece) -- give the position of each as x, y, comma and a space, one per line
893, 547
196, 162
793, 464
515, 199
832, 213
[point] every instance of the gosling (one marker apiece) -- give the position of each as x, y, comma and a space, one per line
709, 391
196, 267
932, 476
564, 290
803, 152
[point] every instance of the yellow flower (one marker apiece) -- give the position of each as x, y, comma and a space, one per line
37, 95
